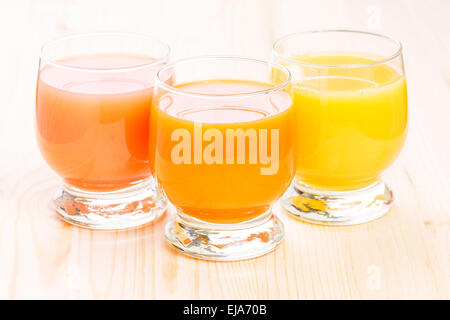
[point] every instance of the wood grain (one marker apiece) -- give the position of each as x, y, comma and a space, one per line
402, 255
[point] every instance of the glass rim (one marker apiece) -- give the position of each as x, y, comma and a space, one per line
397, 51
173, 89
141, 36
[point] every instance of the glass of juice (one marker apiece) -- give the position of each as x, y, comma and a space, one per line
350, 106
223, 153
93, 101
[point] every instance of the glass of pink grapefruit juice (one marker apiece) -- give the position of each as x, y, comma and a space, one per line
93, 100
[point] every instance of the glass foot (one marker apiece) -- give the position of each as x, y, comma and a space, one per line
125, 208
225, 242
338, 208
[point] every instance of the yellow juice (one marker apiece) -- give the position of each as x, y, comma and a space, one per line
351, 122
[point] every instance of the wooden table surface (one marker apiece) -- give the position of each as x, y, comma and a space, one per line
402, 255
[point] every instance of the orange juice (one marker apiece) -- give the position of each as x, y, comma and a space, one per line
224, 185
351, 122
92, 117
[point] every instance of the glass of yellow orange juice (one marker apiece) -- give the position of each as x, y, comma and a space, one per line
223, 153
350, 110
93, 102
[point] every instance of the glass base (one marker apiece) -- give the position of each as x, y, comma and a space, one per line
125, 208
338, 207
225, 242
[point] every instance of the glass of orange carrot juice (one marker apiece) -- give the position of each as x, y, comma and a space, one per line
223, 154
350, 105
93, 102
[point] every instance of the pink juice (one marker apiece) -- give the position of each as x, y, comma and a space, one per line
93, 122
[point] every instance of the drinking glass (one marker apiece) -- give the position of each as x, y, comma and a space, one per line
93, 101
223, 154
350, 102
